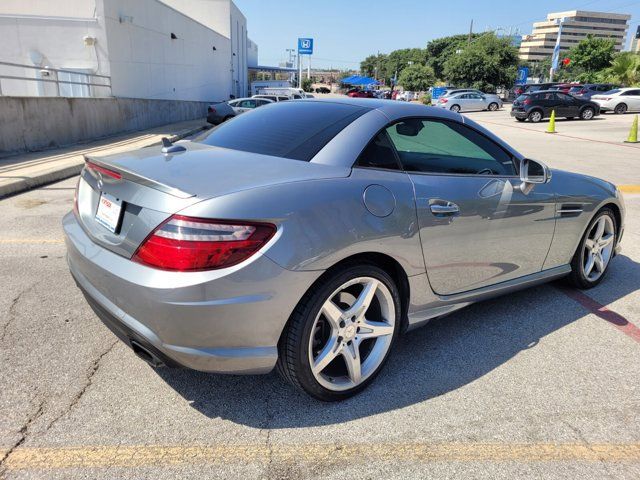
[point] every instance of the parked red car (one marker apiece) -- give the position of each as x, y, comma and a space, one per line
355, 93
565, 87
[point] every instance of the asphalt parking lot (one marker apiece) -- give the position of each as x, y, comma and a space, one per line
541, 384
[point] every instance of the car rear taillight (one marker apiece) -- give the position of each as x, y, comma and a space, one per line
527, 101
211, 110
443, 100
194, 244
105, 171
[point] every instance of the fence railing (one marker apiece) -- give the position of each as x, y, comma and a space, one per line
93, 86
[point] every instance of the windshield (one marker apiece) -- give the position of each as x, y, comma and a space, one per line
522, 98
296, 130
575, 89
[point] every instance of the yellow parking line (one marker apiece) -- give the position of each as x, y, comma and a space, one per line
30, 241
629, 188
26, 458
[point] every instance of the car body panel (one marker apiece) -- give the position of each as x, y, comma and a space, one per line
326, 211
627, 96
219, 112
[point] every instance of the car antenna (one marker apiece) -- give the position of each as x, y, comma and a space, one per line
168, 147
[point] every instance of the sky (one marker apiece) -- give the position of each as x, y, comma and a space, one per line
345, 32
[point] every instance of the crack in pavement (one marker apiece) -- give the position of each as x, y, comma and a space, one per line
12, 309
24, 432
586, 442
91, 371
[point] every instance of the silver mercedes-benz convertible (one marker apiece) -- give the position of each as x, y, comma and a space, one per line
307, 235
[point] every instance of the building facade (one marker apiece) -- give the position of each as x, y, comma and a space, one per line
576, 27
152, 49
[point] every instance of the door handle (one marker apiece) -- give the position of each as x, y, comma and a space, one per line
447, 208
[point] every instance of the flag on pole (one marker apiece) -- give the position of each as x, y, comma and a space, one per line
556, 50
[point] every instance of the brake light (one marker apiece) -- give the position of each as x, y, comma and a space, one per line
443, 100
527, 101
105, 171
194, 244
211, 110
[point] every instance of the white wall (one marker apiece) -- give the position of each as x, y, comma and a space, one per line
146, 63
39, 33
252, 53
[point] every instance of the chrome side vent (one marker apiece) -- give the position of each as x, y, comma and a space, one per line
570, 209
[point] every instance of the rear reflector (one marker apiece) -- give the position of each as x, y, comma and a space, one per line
105, 171
195, 244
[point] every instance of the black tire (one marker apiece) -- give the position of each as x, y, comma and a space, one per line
535, 116
587, 113
520, 119
577, 277
493, 106
455, 108
293, 359
620, 109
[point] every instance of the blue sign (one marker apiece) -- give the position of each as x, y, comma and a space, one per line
305, 46
522, 76
436, 92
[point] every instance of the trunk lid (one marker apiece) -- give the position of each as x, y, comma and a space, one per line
152, 186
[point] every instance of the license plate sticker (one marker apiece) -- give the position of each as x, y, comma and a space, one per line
109, 210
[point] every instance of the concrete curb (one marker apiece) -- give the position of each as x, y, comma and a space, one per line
24, 184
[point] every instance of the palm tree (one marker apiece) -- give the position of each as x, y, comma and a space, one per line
624, 69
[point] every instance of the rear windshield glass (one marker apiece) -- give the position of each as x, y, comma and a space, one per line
296, 130
522, 98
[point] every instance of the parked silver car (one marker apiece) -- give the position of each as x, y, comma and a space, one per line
467, 101
219, 112
242, 105
307, 235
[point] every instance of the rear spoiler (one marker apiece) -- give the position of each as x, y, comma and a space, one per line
99, 164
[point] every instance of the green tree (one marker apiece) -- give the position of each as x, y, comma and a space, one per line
487, 63
592, 54
417, 78
624, 69
373, 65
438, 51
398, 60
307, 84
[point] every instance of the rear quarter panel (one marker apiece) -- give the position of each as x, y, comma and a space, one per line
322, 222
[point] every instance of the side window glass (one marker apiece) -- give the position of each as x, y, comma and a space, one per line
378, 154
436, 146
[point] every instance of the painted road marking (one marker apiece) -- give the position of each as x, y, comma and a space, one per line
618, 144
615, 319
629, 188
30, 241
29, 458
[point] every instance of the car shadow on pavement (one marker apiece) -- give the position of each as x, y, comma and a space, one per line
443, 356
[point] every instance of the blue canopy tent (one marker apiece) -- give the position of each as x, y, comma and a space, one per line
357, 80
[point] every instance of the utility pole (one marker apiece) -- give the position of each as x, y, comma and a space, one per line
308, 67
470, 32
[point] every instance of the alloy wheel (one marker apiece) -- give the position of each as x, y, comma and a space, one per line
493, 107
598, 248
535, 117
587, 114
620, 109
455, 108
352, 334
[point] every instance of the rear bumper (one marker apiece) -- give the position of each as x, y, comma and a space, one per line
518, 114
224, 321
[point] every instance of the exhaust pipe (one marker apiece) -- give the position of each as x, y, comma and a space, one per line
146, 355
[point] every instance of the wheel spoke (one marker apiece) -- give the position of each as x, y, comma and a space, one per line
589, 244
332, 313
328, 353
606, 240
599, 229
370, 329
363, 301
599, 262
589, 265
351, 354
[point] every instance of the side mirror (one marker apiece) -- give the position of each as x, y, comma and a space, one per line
532, 173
